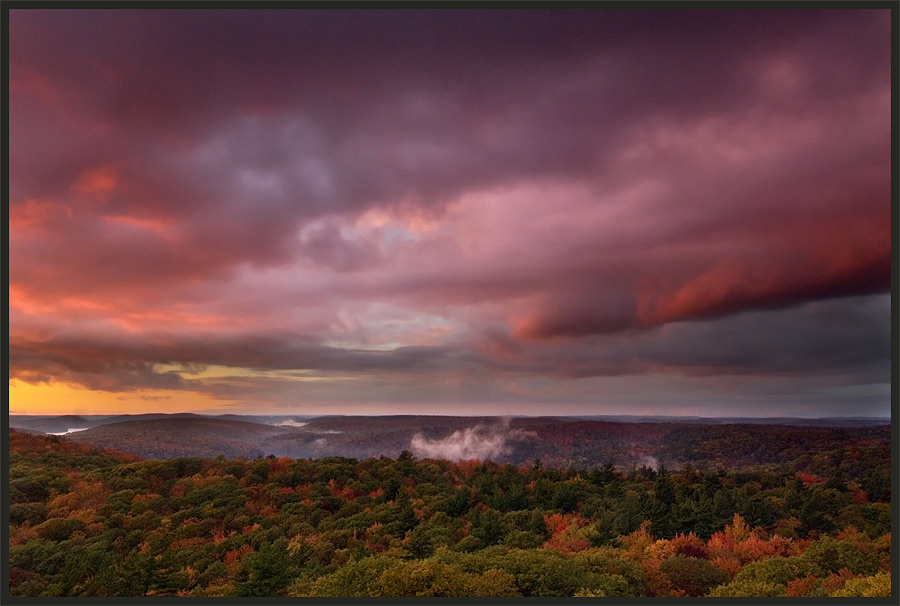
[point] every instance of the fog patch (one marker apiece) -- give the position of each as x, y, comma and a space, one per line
289, 423
70, 430
650, 462
481, 442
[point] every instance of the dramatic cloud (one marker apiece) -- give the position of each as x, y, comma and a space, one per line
337, 208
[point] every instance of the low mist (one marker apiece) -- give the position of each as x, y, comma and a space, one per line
481, 442
650, 462
289, 423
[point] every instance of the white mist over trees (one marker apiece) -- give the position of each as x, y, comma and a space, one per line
481, 442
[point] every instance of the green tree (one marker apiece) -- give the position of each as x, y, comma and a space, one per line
662, 517
748, 589
776, 571
137, 573
543, 573
487, 526
354, 579
828, 555
58, 529
268, 571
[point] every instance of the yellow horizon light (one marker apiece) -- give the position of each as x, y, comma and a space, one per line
64, 399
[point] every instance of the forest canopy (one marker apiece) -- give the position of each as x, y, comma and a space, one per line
91, 522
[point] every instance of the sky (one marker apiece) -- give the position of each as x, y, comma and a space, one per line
482, 212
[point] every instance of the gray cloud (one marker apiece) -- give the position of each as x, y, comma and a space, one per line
558, 195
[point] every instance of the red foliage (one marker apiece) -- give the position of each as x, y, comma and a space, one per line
689, 545
17, 576
269, 511
280, 465
799, 588
692, 551
836, 580
731, 566
808, 478
754, 549
235, 554
720, 545
657, 583
784, 546
333, 488
567, 535
467, 468
556, 522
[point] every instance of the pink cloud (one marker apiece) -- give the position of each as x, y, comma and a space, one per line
431, 208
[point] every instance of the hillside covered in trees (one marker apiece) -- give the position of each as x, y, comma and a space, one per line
557, 442
88, 522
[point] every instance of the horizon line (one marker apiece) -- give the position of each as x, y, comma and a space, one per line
295, 414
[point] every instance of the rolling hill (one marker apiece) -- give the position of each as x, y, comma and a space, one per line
194, 436
556, 442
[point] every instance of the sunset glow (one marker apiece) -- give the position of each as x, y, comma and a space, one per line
489, 215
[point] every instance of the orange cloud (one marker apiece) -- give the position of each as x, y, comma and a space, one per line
33, 214
728, 279
99, 182
830, 261
139, 321
19, 299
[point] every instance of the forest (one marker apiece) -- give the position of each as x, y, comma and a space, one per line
557, 441
88, 521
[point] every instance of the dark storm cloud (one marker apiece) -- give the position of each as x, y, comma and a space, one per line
381, 106
851, 334
847, 335
114, 361
573, 193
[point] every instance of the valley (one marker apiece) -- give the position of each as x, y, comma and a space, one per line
811, 446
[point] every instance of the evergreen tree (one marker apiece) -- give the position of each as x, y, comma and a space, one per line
268, 571
662, 517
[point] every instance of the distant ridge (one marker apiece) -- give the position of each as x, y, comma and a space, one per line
59, 423
625, 442
50, 424
180, 436
799, 421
